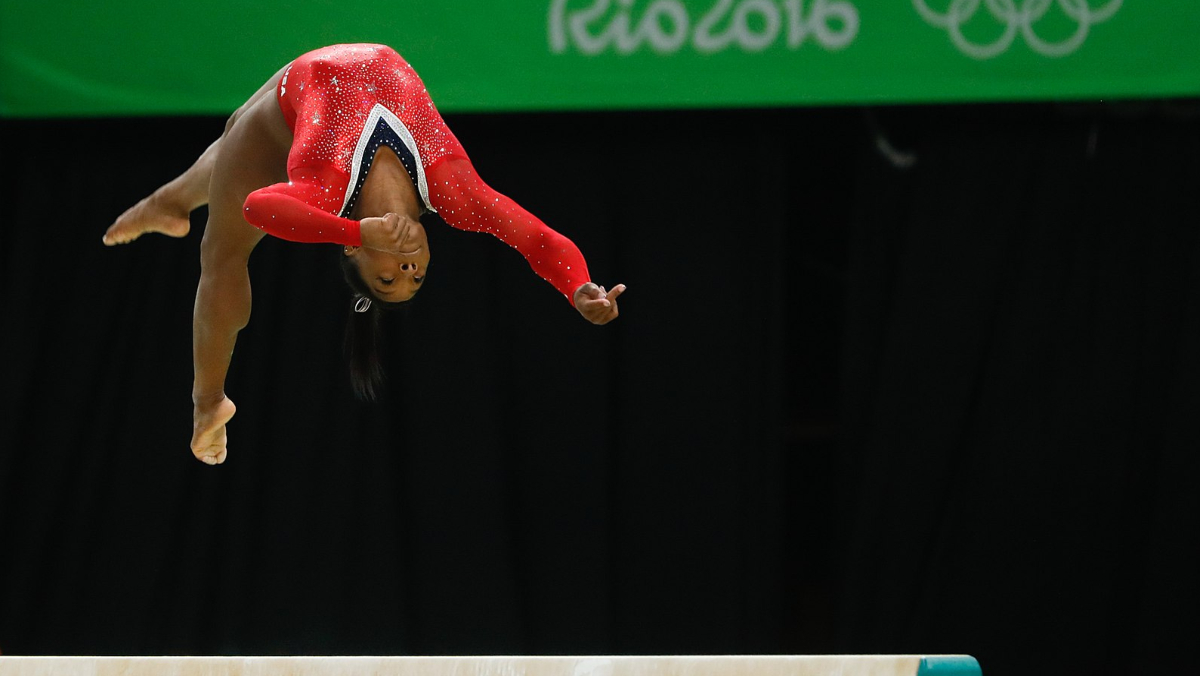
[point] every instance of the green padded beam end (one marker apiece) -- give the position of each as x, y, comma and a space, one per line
949, 665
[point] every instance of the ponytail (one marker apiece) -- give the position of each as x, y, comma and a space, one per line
362, 350
362, 338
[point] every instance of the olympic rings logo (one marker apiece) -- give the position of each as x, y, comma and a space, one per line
1016, 19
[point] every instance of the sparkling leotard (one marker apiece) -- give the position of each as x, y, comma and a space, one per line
344, 102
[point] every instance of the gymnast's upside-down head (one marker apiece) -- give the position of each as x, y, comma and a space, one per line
381, 280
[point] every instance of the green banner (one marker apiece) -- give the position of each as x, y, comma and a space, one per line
133, 57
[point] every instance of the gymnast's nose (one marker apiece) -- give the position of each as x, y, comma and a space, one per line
410, 268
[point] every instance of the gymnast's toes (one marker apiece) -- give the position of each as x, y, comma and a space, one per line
146, 216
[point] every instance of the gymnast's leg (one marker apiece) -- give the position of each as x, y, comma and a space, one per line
166, 210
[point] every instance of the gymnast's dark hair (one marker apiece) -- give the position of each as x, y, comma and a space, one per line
363, 335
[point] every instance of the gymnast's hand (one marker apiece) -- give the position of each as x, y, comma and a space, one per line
597, 305
385, 233
208, 429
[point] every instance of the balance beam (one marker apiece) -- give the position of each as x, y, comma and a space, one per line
714, 665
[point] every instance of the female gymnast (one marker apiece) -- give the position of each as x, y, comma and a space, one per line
343, 146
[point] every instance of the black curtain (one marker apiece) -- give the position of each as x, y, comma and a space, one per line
905, 380
1021, 387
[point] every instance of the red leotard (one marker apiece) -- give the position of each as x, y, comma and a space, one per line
342, 103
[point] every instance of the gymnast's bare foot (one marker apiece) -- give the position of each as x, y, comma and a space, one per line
156, 213
210, 440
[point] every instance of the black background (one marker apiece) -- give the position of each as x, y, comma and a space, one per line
848, 407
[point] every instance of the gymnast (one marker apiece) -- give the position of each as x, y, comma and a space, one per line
341, 146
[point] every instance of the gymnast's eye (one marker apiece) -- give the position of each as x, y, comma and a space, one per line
418, 280
386, 281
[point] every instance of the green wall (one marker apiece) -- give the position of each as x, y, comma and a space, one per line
130, 57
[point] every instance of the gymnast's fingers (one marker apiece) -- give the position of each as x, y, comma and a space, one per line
589, 290
609, 314
602, 312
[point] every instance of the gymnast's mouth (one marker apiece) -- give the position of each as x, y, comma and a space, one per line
411, 253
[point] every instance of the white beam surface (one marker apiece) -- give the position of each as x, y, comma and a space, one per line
716, 665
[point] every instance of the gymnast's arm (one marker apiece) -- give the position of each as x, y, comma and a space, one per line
465, 202
282, 210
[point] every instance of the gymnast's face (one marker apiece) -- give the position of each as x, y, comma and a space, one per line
394, 277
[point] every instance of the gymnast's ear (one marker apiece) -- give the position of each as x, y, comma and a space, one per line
349, 250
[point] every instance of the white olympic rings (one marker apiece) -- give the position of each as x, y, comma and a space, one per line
1014, 19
